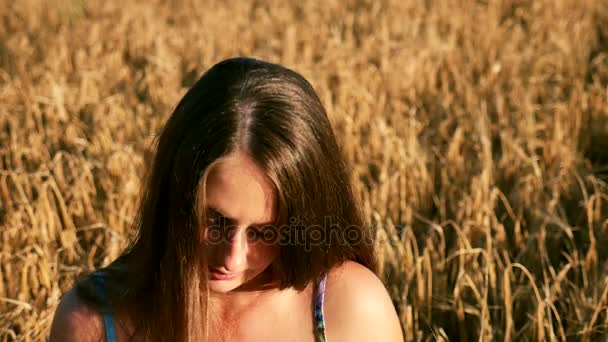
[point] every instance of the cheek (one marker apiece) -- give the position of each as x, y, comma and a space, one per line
212, 253
263, 254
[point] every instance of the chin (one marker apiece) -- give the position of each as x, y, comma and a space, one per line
223, 286
243, 280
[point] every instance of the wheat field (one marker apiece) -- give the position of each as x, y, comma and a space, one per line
477, 132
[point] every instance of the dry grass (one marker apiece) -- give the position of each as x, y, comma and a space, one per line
478, 131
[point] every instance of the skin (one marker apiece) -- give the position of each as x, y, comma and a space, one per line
240, 201
357, 306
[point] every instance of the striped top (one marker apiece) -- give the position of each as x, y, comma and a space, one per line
107, 315
319, 319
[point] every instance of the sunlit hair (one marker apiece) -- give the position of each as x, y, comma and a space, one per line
273, 115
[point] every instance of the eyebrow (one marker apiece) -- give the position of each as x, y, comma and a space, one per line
257, 224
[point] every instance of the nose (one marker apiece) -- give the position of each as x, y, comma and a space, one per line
235, 252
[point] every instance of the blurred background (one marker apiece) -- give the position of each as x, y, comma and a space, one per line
477, 131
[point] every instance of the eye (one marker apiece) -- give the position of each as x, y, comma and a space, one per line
212, 219
216, 220
254, 235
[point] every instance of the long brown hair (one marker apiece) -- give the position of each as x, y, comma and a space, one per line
274, 115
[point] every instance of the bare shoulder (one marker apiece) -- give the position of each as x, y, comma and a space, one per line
74, 320
357, 306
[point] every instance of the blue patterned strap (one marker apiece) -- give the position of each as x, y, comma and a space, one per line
107, 315
319, 317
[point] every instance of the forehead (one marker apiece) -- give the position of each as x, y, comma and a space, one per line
240, 190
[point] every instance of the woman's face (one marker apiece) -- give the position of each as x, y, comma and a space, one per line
240, 201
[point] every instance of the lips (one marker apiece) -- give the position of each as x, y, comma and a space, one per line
214, 274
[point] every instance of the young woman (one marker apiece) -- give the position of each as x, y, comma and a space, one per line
248, 229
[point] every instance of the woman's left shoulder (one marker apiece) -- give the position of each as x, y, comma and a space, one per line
357, 306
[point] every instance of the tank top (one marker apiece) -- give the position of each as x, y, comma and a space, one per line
318, 319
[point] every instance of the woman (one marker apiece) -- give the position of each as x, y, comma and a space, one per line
248, 228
